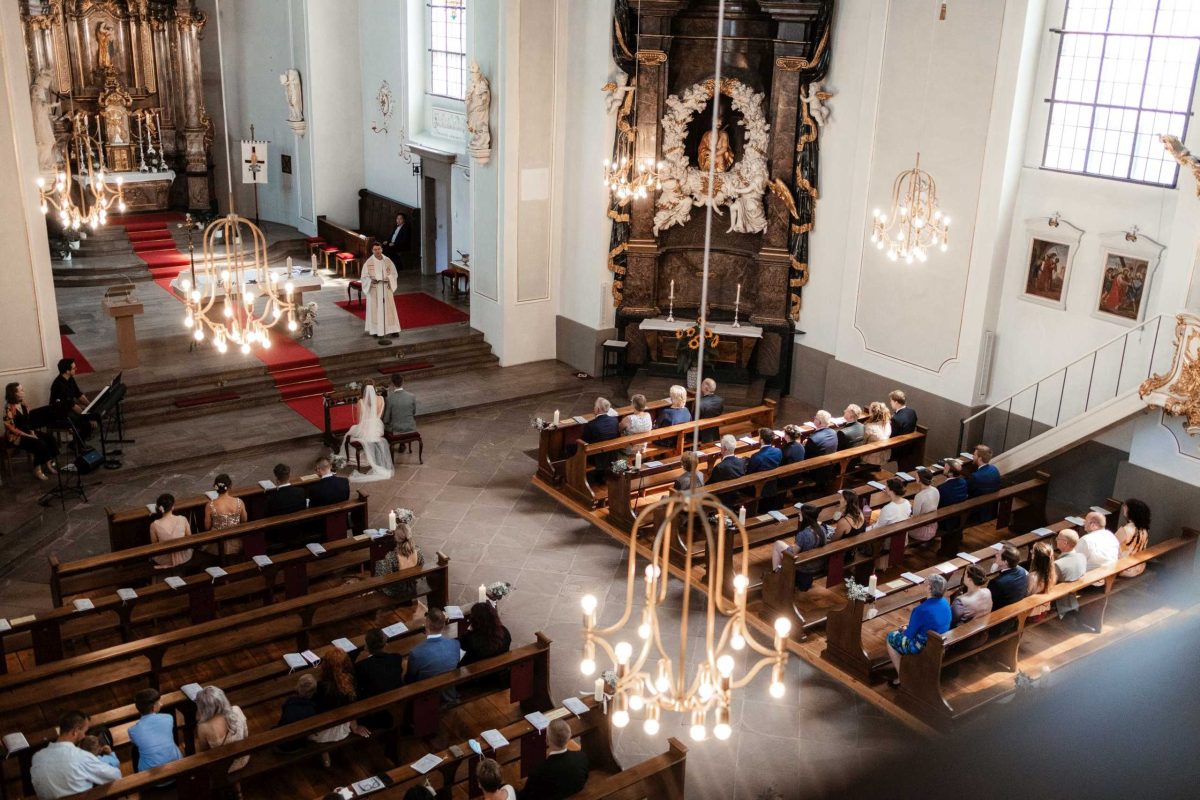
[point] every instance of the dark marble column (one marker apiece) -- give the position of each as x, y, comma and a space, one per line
190, 22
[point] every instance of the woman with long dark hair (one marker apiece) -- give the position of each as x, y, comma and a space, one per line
1042, 575
486, 635
1134, 535
19, 432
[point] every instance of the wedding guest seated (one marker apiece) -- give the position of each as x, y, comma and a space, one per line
639, 421
405, 555
768, 455
219, 723
812, 534
823, 440
330, 488
604, 425
851, 434
1012, 582
1098, 544
335, 688
730, 466
100, 750
1042, 575
154, 733
491, 781
931, 615
877, 428
286, 498
19, 432
297, 707
904, 419
485, 636
950, 491
377, 672
985, 478
225, 512
711, 405
168, 526
691, 477
975, 601
61, 768
434, 656
1071, 566
67, 400
849, 519
924, 502
400, 408
793, 448
676, 413
897, 508
563, 773
1134, 535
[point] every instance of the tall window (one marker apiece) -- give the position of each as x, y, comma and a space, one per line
448, 48
1126, 75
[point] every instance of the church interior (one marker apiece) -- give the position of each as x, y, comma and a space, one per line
353, 444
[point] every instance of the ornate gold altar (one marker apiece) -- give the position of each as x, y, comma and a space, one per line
116, 85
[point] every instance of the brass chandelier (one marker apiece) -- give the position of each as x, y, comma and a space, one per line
915, 224
626, 177
688, 518
95, 195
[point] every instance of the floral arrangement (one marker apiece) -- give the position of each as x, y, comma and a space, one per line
307, 314
353, 385
619, 467
610, 681
338, 462
497, 591
856, 591
539, 424
404, 516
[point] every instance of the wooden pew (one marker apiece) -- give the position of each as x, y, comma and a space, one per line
921, 689
204, 775
377, 219
778, 588
132, 567
579, 464
130, 527
553, 442
201, 599
144, 660
346, 239
657, 777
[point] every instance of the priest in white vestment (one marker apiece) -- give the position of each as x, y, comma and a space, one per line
379, 284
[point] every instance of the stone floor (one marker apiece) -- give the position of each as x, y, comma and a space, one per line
473, 501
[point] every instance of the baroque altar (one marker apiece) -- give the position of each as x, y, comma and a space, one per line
116, 86
762, 155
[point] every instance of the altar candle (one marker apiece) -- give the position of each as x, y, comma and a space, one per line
482, 593
161, 153
872, 583
391, 520
742, 516
556, 417
598, 691
289, 266
314, 263
637, 460
672, 288
738, 299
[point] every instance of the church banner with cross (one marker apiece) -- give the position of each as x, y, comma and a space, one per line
254, 161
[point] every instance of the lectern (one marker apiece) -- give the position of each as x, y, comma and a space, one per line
122, 305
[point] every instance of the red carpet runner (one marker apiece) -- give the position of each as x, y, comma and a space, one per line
416, 310
297, 373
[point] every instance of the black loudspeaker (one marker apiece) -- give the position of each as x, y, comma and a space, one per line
89, 461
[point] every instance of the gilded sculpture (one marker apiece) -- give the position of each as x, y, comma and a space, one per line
1177, 391
724, 153
104, 45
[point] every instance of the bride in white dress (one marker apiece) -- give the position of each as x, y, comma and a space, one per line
368, 431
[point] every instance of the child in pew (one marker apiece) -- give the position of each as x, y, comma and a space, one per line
297, 707
93, 745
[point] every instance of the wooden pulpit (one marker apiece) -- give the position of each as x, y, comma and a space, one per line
121, 304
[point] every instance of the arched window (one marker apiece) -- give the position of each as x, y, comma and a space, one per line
1125, 75
447, 48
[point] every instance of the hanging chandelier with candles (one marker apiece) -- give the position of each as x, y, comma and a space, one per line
687, 519
96, 197
627, 177
914, 224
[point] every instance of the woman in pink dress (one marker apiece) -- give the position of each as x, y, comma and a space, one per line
167, 527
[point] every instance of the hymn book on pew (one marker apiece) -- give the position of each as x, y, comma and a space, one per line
5, 625
263, 561
575, 706
211, 495
175, 582
397, 629
1075, 521
216, 572
1101, 510
267, 485
912, 576
153, 509
371, 784
494, 738
877, 485
426, 762
970, 559
83, 604
126, 595
1043, 532
14, 743
904, 476
778, 516
453, 613
315, 548
344, 645
538, 720
190, 690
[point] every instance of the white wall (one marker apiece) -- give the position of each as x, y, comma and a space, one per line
334, 107
383, 54
31, 342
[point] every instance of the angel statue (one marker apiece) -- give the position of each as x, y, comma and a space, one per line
615, 91
294, 91
479, 109
104, 45
45, 111
815, 99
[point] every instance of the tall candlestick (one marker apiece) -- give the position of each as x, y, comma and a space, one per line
556, 416
872, 582
742, 516
162, 154
482, 593
738, 299
289, 266
737, 304
671, 309
314, 263
672, 289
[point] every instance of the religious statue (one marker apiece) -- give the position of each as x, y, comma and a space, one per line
724, 159
292, 88
815, 100
45, 111
104, 45
479, 109
116, 122
615, 91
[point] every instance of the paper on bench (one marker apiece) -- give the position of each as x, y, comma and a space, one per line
268, 485
575, 706
936, 468
876, 593
5, 625
779, 434
392, 631
997, 546
912, 576
294, 661
453, 613
777, 515
1040, 532
877, 485
651, 464
14, 742
83, 604
970, 559
1075, 520
307, 478
494, 738
581, 420
967, 456
311, 657
1101, 510
838, 421
175, 582
899, 583
426, 763
153, 509
315, 548
763, 518
216, 572
748, 440
211, 495
904, 476
190, 690
538, 720
263, 561
344, 644
945, 568
377, 533
368, 785
808, 426
126, 595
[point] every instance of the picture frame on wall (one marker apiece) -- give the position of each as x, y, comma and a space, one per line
1050, 249
1128, 262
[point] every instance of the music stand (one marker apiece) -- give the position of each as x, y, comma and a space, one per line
66, 486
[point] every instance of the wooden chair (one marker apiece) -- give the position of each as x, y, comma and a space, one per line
345, 262
314, 244
357, 287
406, 439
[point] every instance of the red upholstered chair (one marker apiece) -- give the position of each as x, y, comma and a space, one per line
354, 286
329, 250
314, 243
345, 262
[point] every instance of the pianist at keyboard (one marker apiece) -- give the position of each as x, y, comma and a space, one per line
67, 400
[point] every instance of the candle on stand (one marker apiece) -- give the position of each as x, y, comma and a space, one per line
482, 593
672, 289
391, 520
598, 691
314, 263
556, 416
637, 460
162, 154
738, 299
742, 516
289, 266
872, 582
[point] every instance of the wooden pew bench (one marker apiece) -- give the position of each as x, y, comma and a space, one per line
130, 527
133, 568
660, 777
170, 659
921, 688
51, 635
204, 775
859, 554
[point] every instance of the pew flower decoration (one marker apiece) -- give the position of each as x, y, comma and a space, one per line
404, 516
610, 681
856, 591
619, 467
539, 424
307, 317
338, 463
496, 591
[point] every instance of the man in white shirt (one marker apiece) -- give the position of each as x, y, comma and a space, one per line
1071, 566
61, 768
1098, 545
925, 502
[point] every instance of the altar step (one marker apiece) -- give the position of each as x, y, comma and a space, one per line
248, 386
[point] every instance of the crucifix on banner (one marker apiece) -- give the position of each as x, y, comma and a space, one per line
254, 165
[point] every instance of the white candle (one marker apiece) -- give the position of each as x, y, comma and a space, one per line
672, 288
637, 460
556, 417
314, 263
872, 583
742, 516
738, 299
289, 266
482, 593
162, 154
598, 691
391, 520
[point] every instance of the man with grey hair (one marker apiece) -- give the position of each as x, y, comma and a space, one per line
931, 615
1071, 566
711, 405
604, 425
730, 466
851, 434
1098, 544
823, 440
563, 773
